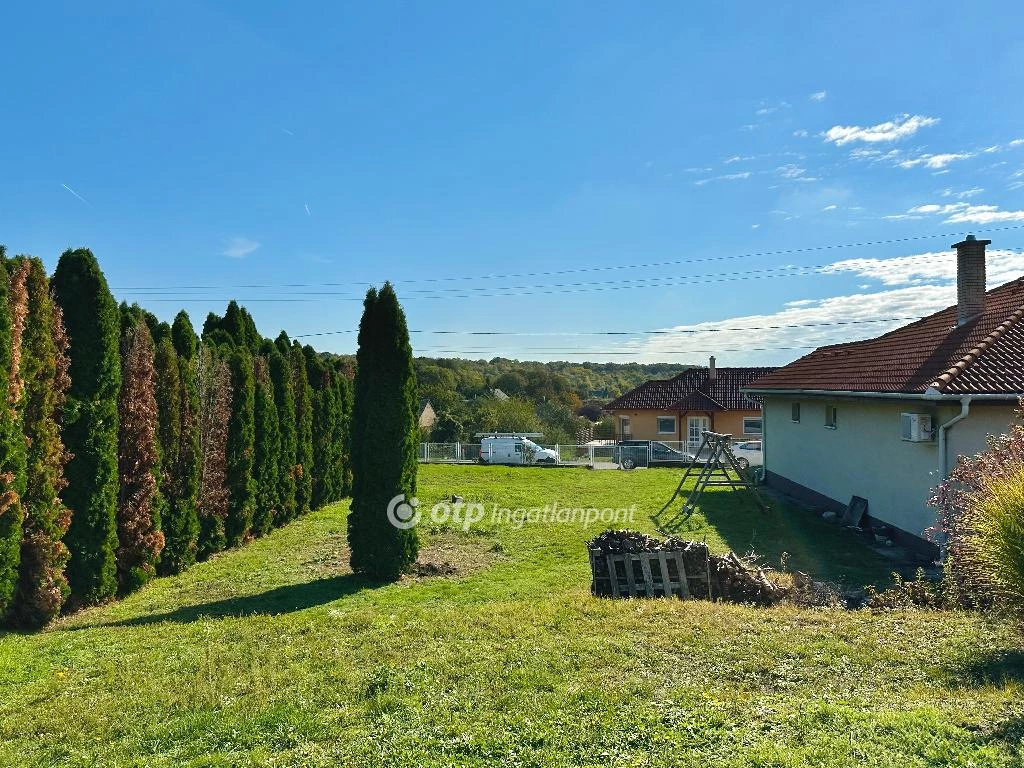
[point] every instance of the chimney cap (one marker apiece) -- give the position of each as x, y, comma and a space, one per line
972, 240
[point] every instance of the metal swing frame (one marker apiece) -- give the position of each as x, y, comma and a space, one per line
713, 472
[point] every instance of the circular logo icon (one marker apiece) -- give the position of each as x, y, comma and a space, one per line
403, 514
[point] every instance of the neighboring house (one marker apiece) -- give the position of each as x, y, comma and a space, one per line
427, 416
680, 408
886, 418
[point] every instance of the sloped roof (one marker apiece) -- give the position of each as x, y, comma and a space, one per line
692, 390
983, 356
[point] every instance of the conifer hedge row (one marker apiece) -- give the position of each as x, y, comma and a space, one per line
131, 448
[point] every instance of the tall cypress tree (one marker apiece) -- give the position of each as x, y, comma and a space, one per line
182, 472
42, 585
240, 448
140, 540
343, 456
384, 433
324, 427
90, 424
303, 430
213, 376
284, 400
12, 454
267, 453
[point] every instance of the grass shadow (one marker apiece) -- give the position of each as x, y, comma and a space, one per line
286, 599
995, 668
824, 550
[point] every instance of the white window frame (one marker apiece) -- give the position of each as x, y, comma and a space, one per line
759, 419
625, 428
693, 440
831, 417
666, 432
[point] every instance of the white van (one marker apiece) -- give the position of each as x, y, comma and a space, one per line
514, 450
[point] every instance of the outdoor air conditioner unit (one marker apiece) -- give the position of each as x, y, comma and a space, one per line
916, 427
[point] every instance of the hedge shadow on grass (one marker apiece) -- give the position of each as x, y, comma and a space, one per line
286, 599
826, 551
993, 668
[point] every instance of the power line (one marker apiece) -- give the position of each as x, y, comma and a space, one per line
578, 270
666, 331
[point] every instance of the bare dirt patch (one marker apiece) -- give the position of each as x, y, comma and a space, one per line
442, 554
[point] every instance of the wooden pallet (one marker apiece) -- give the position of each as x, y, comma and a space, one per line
645, 574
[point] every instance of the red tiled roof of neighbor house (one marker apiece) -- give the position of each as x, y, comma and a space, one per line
693, 390
985, 355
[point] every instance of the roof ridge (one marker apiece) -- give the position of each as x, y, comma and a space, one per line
943, 380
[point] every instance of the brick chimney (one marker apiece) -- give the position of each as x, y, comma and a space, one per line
712, 373
970, 279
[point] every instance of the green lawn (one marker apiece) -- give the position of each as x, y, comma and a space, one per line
276, 655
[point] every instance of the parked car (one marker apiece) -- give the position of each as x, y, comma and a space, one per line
748, 454
514, 450
630, 454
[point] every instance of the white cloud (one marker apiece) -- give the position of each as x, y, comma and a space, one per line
239, 247
914, 286
755, 226
737, 159
984, 214
818, 96
830, 207
960, 213
929, 268
892, 130
794, 172
724, 177
935, 161
962, 195
767, 109
800, 133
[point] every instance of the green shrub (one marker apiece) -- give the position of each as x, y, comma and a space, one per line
284, 401
267, 452
240, 448
998, 540
12, 445
90, 424
42, 585
384, 432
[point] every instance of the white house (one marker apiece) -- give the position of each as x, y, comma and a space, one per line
885, 419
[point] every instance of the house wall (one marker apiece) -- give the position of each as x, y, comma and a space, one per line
731, 422
645, 423
865, 455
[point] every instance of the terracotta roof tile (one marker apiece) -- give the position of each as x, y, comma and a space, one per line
983, 356
692, 390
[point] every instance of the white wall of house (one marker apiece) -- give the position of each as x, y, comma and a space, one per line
864, 454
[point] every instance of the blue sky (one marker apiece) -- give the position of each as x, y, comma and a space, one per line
289, 155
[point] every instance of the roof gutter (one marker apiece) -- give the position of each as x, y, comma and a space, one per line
965, 410
932, 394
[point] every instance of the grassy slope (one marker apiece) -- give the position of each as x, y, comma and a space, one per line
274, 655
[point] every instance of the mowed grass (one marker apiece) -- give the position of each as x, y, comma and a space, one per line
276, 655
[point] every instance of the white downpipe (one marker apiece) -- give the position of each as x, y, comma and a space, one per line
965, 410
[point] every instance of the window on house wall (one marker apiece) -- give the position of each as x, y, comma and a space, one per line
796, 413
830, 416
751, 425
624, 428
666, 425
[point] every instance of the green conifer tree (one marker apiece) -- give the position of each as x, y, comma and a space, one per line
90, 424
240, 448
284, 400
384, 434
42, 585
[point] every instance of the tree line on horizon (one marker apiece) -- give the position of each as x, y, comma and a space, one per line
131, 447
